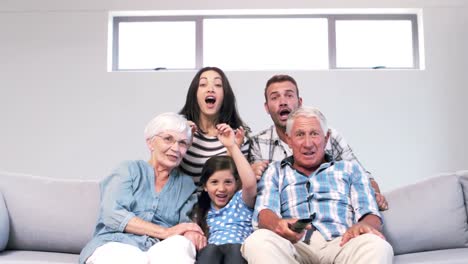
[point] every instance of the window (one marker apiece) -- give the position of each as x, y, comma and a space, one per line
151, 45
265, 41
374, 43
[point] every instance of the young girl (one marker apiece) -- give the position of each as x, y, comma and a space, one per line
226, 203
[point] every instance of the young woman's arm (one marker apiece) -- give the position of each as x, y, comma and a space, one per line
246, 174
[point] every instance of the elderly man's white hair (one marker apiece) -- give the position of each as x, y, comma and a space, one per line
307, 112
167, 121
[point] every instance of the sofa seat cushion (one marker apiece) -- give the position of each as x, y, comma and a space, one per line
429, 215
24, 257
446, 256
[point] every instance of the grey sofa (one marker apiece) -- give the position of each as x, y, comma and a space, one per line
427, 221
44, 220
50, 220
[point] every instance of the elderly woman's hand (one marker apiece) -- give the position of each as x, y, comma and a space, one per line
182, 228
226, 135
197, 239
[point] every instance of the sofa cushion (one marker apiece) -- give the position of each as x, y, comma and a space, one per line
49, 214
32, 257
428, 215
4, 224
446, 256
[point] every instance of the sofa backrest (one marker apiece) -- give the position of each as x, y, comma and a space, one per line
48, 214
428, 215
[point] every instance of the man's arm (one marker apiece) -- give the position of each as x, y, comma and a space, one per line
255, 153
368, 224
366, 214
268, 206
258, 163
269, 220
258, 168
341, 150
381, 201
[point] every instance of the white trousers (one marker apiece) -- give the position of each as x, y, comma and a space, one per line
175, 249
265, 246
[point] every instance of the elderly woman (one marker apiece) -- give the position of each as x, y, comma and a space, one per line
145, 205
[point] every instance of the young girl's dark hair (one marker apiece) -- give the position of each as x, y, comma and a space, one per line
227, 113
212, 165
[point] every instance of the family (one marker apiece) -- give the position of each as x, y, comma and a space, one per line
210, 192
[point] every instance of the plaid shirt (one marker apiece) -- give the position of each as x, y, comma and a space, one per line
267, 145
339, 193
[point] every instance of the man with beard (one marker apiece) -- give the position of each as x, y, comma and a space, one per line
282, 98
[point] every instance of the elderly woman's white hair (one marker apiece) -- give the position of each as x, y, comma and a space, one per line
307, 112
167, 121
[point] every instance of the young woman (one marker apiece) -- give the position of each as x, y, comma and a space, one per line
226, 203
210, 101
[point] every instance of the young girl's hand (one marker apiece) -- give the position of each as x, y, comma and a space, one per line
226, 135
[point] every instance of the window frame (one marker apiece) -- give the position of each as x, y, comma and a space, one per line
198, 19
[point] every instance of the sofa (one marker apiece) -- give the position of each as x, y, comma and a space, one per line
50, 220
427, 221
45, 220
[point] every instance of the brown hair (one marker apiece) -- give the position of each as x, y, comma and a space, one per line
280, 78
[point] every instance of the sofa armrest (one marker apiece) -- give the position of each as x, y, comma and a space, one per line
4, 224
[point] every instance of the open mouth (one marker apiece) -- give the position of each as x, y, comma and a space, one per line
284, 113
221, 196
210, 100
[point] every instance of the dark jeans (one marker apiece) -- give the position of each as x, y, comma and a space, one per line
221, 254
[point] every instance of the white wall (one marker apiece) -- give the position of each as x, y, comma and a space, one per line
63, 115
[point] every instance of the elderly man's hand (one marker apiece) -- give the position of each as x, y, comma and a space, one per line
259, 167
197, 239
381, 201
357, 230
282, 229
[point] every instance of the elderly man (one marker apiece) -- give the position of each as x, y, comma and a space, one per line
347, 221
281, 98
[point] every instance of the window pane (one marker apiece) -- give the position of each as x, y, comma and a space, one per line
148, 45
372, 43
266, 44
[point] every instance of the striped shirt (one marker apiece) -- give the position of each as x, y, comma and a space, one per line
338, 192
203, 147
267, 145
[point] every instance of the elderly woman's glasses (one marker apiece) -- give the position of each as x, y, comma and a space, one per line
170, 140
